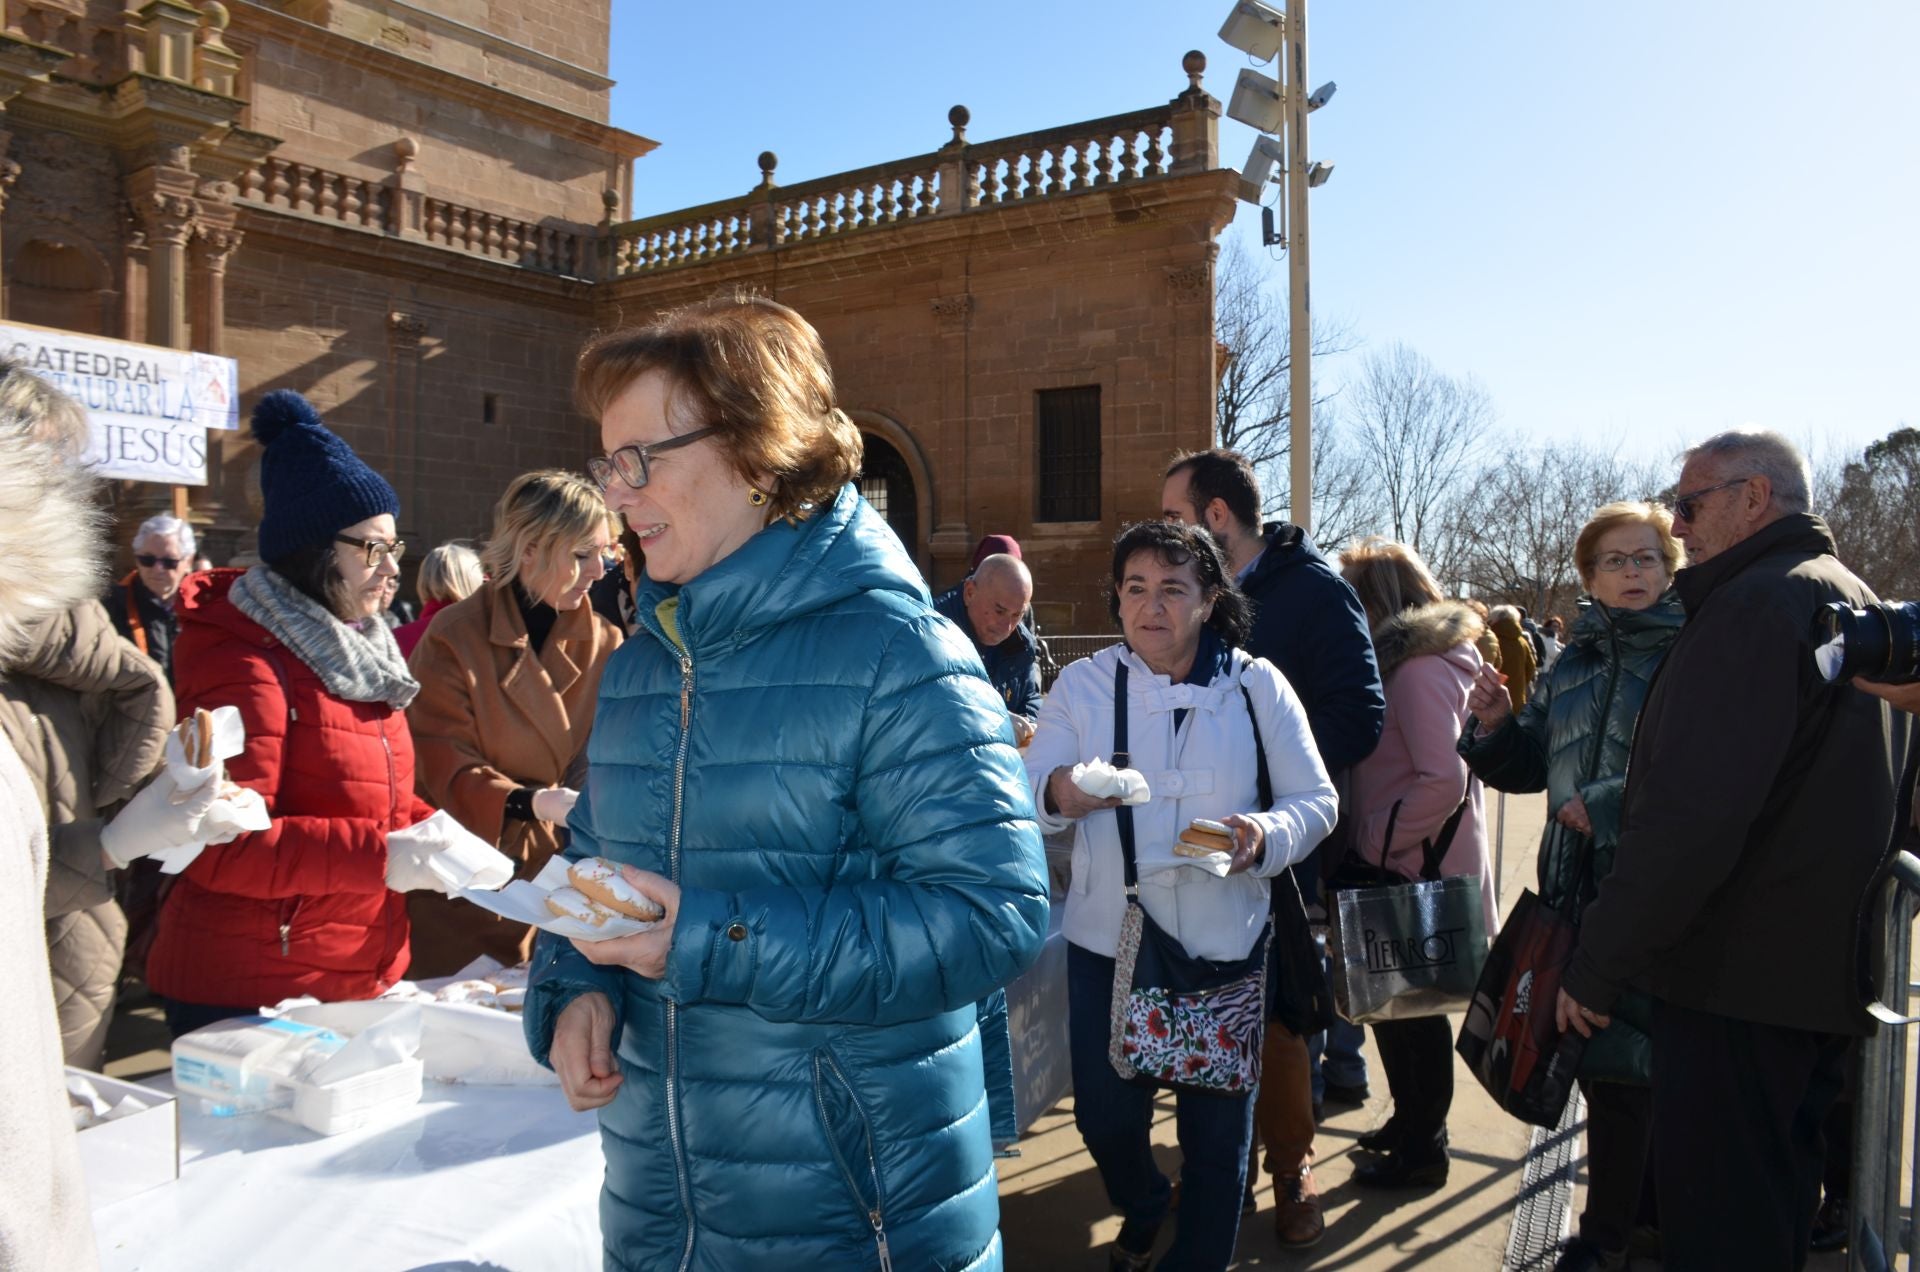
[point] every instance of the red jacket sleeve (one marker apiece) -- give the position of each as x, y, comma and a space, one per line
295, 856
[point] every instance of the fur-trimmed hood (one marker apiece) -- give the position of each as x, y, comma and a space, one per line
1425, 629
50, 539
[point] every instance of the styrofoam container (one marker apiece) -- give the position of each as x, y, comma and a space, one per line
128, 1155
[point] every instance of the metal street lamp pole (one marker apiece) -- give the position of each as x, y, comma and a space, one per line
1299, 293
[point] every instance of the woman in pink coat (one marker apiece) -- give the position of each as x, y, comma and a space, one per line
1413, 799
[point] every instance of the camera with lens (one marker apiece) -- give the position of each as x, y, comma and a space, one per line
1880, 642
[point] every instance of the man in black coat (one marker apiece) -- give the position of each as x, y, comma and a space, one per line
141, 604
987, 605
1760, 802
1308, 623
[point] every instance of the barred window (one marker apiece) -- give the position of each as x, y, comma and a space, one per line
1069, 461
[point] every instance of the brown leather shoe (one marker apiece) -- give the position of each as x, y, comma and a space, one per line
1296, 1210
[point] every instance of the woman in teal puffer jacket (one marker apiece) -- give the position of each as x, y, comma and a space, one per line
806, 767
1572, 738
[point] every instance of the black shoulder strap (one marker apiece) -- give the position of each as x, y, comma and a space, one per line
1121, 759
1259, 753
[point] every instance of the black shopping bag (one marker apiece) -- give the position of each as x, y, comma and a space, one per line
1510, 1038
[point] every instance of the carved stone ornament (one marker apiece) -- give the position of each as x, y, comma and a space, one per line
167, 218
216, 191
1189, 283
407, 329
9, 173
216, 245
952, 309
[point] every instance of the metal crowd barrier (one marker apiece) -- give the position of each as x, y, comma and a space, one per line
1885, 1110
1057, 651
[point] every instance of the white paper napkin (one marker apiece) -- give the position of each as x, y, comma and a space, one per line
1103, 781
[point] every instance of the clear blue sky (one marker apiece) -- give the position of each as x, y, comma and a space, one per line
1634, 223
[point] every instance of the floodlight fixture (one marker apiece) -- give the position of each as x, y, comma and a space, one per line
1256, 29
1267, 154
1256, 102
1321, 96
1317, 174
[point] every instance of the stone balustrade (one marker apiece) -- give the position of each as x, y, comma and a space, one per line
390, 206
960, 177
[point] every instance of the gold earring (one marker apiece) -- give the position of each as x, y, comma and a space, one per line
756, 496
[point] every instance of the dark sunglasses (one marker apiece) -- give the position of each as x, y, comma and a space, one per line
632, 463
170, 563
1683, 505
375, 548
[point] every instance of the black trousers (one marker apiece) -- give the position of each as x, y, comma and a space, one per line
1417, 1055
1741, 1109
1619, 1130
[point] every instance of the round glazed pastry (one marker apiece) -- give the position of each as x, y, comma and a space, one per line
512, 999
1203, 838
570, 903
602, 883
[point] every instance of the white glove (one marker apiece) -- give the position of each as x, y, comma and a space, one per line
152, 823
441, 854
554, 803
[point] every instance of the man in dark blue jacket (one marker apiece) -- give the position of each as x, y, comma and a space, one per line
1308, 623
987, 605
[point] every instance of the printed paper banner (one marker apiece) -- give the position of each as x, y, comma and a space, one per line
150, 407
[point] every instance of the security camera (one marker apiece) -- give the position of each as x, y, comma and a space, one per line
1317, 174
1321, 96
1256, 102
1255, 29
1267, 153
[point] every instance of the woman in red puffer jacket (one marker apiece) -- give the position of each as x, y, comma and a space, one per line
303, 907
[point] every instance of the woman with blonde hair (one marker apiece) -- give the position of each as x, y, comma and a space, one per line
451, 572
508, 680
1571, 739
804, 766
1417, 811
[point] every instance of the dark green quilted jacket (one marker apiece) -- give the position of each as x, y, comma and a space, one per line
1572, 738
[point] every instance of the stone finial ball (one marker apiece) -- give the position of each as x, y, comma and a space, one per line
959, 116
768, 161
1194, 63
216, 15
406, 148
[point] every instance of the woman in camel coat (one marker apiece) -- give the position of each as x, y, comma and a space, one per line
508, 679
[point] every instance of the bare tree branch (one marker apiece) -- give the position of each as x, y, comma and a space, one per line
1419, 431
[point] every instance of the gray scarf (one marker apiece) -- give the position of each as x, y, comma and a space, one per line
356, 661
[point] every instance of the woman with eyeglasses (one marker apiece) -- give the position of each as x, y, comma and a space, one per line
1571, 739
805, 767
508, 679
305, 906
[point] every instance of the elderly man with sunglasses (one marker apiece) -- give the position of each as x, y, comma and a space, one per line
141, 604
1759, 802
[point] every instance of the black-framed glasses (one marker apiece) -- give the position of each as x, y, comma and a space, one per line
1614, 562
166, 563
375, 548
631, 463
1683, 505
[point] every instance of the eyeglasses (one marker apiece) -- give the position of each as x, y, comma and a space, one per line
631, 463
166, 563
1683, 504
1614, 562
376, 548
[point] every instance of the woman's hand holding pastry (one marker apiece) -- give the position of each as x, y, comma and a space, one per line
582, 1053
1064, 799
1249, 843
643, 952
1488, 700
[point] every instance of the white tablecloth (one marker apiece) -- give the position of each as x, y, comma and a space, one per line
505, 1179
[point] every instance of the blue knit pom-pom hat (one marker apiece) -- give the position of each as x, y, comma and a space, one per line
313, 484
